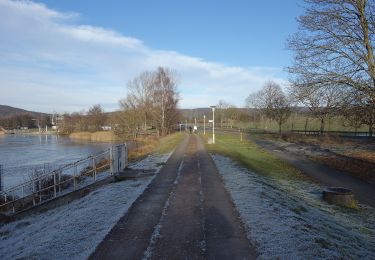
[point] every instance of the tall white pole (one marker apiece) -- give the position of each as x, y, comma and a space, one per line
213, 125
204, 125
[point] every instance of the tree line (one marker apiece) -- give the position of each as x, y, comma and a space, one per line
150, 106
92, 120
25, 121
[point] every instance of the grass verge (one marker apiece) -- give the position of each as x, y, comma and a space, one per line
169, 142
151, 145
253, 157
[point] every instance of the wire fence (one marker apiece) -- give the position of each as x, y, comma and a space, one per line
44, 186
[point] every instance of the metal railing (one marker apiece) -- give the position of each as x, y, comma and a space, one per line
46, 186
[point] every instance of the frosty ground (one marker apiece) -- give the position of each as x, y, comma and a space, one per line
288, 219
284, 219
74, 230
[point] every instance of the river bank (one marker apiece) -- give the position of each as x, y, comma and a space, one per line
99, 136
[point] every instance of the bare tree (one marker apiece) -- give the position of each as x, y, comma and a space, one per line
96, 117
232, 114
164, 100
334, 47
359, 110
322, 101
152, 99
221, 108
272, 102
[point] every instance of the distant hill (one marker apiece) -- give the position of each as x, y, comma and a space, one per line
8, 111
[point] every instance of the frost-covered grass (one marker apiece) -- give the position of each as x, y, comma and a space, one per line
74, 230
287, 219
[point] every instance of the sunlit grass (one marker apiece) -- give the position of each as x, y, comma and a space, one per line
169, 142
99, 136
150, 145
253, 157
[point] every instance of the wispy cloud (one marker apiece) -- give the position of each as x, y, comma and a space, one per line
48, 61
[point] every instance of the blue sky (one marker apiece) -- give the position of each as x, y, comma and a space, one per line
67, 55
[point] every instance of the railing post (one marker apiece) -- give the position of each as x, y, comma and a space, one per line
14, 209
59, 173
54, 184
40, 191
125, 155
1, 177
111, 161
74, 176
33, 192
94, 167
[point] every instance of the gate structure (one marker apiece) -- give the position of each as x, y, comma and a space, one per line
46, 186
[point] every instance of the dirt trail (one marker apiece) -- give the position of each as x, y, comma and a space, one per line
185, 213
363, 191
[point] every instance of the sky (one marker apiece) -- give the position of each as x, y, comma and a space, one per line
66, 56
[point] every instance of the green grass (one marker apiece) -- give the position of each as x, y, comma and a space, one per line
253, 157
169, 142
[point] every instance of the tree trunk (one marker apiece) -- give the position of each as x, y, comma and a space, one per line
322, 125
370, 130
279, 123
306, 123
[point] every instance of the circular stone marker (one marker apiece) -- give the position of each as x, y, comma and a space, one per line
340, 196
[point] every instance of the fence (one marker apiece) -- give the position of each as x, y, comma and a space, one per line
46, 186
337, 133
1, 177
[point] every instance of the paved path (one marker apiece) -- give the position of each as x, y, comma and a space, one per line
185, 213
363, 191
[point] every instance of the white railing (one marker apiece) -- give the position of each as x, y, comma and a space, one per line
46, 186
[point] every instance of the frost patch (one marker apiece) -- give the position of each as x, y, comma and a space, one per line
74, 230
288, 219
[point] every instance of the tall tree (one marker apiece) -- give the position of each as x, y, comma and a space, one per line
96, 117
221, 108
164, 100
334, 45
152, 98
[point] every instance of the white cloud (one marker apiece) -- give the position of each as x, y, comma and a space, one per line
49, 62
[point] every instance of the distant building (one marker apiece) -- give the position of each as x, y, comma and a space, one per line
106, 128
